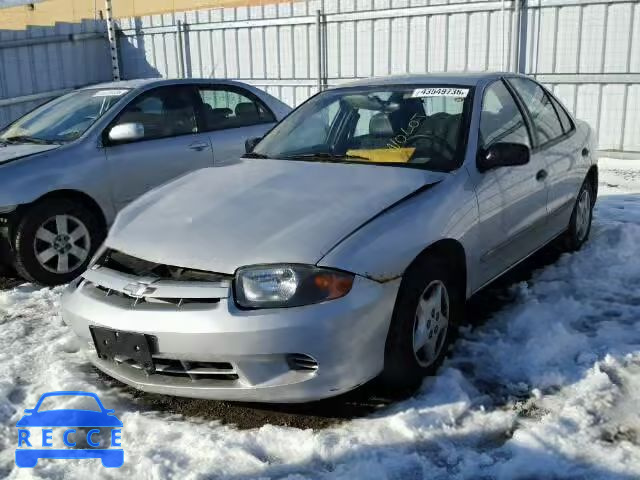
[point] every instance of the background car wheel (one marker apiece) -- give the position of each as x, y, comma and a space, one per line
580, 223
55, 241
428, 310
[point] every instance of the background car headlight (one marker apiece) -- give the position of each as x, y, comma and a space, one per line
277, 286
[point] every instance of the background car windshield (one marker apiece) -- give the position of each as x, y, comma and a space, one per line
65, 402
415, 126
63, 119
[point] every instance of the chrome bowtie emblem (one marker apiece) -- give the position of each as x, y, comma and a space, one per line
138, 289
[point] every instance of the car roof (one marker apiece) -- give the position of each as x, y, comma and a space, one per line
147, 82
449, 78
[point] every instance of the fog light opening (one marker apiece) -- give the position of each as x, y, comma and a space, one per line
302, 362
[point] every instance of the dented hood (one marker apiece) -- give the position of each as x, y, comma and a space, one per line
259, 211
14, 152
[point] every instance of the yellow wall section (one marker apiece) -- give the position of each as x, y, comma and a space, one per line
49, 12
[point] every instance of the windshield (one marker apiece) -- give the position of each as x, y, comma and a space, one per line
63, 119
405, 125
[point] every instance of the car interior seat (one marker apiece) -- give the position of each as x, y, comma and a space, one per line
247, 113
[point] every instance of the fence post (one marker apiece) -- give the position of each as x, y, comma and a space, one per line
113, 42
515, 37
320, 53
523, 37
325, 49
180, 49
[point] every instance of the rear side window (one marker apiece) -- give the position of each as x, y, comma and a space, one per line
567, 124
501, 119
542, 112
225, 107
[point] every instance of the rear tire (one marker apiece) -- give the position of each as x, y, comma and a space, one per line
55, 240
417, 317
580, 224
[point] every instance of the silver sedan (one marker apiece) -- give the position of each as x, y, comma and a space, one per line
343, 247
67, 167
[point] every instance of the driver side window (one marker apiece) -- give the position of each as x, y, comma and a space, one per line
501, 119
163, 112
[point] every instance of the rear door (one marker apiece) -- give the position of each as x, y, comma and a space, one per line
558, 147
512, 200
231, 115
172, 144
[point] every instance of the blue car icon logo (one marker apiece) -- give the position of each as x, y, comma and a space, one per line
41, 430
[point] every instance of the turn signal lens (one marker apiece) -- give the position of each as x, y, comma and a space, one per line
336, 285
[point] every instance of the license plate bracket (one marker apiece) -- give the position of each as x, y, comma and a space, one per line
114, 343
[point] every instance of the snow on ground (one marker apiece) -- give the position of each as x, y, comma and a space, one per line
548, 387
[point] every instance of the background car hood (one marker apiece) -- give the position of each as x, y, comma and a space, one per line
13, 152
259, 211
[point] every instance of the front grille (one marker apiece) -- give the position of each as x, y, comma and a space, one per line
127, 281
136, 301
124, 263
186, 369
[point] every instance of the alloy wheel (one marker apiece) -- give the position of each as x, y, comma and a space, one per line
431, 323
583, 215
62, 243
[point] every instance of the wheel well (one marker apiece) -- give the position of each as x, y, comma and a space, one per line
453, 253
592, 176
74, 195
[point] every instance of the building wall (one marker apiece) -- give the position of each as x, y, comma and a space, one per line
49, 12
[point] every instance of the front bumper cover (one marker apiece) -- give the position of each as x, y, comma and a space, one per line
346, 337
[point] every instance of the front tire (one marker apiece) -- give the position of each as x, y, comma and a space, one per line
55, 240
581, 218
428, 310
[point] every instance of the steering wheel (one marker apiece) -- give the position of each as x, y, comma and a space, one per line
430, 136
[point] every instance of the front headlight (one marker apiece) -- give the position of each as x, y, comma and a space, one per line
279, 286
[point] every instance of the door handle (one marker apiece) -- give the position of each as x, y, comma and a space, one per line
541, 175
198, 146
585, 152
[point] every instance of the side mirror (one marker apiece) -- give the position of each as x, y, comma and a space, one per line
251, 143
126, 132
502, 155
29, 410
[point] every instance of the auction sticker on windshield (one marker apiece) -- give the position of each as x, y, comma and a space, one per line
440, 92
109, 93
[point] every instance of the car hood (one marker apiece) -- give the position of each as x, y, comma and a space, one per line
69, 418
259, 211
14, 152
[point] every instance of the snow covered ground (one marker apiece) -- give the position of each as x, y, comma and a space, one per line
548, 387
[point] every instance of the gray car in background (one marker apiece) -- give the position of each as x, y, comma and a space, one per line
69, 166
343, 246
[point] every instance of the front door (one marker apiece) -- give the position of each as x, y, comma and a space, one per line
512, 200
172, 144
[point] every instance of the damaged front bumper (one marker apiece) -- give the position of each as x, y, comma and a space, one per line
207, 347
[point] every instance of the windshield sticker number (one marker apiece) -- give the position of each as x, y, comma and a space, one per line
440, 92
109, 93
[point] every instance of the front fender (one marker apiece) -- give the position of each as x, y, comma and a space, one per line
384, 248
75, 167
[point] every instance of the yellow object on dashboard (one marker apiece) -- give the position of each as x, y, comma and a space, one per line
384, 155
